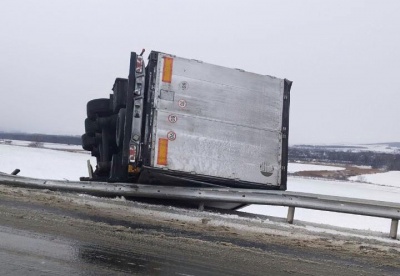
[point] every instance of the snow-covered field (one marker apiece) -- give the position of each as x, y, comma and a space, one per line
44, 163
56, 164
391, 178
336, 188
297, 167
45, 145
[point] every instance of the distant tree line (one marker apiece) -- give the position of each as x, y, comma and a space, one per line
377, 160
42, 138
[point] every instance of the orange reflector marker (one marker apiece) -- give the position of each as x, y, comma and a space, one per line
162, 151
167, 70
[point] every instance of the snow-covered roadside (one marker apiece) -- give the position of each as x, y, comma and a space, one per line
44, 163
308, 243
24, 143
54, 164
336, 188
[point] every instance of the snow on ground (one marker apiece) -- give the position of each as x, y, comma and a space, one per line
391, 178
362, 167
298, 167
335, 188
44, 163
382, 148
55, 164
46, 145
379, 148
62, 146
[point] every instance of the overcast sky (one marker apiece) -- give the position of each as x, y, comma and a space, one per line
342, 56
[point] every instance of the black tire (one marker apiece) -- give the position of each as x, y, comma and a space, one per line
88, 142
98, 108
96, 152
102, 171
103, 167
91, 126
120, 127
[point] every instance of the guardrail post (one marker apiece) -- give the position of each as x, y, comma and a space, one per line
393, 228
290, 214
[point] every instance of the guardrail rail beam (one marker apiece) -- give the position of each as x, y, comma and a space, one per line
373, 208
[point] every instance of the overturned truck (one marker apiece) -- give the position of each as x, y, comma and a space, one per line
184, 122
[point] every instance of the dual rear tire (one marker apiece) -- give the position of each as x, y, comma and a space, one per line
104, 131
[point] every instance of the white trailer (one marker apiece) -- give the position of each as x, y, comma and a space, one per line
180, 121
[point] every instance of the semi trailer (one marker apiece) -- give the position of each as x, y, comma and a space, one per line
183, 122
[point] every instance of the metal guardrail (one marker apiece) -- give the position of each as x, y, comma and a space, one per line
364, 207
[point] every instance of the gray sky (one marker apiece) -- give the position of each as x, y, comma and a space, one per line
343, 57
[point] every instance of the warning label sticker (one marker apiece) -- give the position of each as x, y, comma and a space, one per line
171, 135
184, 85
182, 103
172, 118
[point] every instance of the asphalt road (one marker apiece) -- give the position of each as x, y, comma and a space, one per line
48, 233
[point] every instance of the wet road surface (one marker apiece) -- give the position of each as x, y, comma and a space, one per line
26, 253
47, 233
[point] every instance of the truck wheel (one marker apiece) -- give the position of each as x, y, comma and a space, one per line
91, 126
120, 127
98, 107
95, 152
104, 167
88, 142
